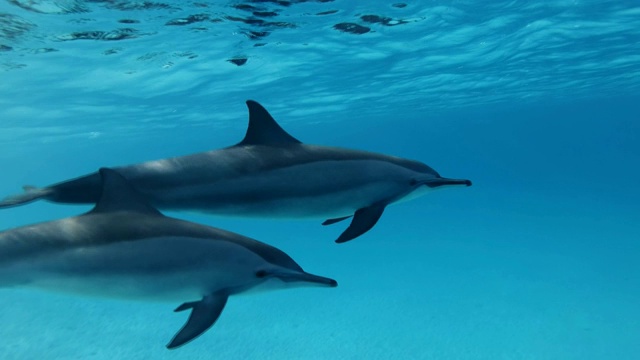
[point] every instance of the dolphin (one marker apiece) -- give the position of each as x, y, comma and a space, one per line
125, 248
267, 174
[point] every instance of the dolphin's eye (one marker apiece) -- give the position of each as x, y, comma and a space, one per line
261, 273
413, 182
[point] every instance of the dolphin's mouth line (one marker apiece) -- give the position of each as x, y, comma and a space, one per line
434, 183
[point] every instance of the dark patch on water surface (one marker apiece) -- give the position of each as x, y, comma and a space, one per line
352, 28
238, 61
283, 3
188, 54
111, 51
149, 56
287, 3
44, 50
245, 7
13, 27
50, 7
115, 35
134, 5
254, 19
262, 23
81, 21
327, 12
256, 35
275, 2
265, 13
12, 66
386, 21
188, 20
255, 11
399, 5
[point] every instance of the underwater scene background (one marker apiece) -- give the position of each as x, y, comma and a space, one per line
535, 102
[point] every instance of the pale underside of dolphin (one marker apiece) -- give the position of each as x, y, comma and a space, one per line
125, 248
268, 174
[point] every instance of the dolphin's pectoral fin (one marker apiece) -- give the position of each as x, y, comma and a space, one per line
204, 314
333, 221
363, 220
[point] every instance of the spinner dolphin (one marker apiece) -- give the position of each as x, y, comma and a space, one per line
268, 174
125, 248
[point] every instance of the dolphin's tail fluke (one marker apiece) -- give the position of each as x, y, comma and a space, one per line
31, 193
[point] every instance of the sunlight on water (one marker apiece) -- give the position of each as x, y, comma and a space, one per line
172, 61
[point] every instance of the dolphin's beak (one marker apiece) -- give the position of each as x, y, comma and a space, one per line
318, 280
306, 278
434, 183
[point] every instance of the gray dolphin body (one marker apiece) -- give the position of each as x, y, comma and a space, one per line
268, 174
125, 248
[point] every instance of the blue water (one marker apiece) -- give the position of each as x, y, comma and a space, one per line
536, 102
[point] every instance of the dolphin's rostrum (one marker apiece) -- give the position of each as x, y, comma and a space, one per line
125, 248
268, 174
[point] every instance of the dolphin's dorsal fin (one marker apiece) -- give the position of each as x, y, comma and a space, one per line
263, 129
119, 195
